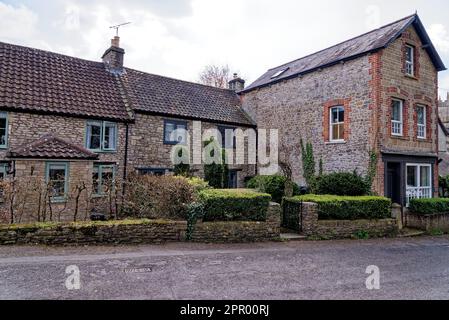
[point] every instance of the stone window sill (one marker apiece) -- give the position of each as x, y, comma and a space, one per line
411, 77
335, 142
400, 138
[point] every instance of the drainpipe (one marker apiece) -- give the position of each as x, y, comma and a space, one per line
125, 163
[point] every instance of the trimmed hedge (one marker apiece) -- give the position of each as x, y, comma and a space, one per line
429, 206
342, 184
234, 205
273, 185
348, 208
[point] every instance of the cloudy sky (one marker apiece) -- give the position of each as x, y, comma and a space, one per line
177, 38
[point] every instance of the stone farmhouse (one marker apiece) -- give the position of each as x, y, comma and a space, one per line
373, 94
70, 121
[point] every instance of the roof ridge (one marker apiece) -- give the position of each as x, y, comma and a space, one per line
340, 43
22, 47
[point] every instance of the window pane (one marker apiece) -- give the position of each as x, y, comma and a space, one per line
396, 112
181, 133
95, 180
56, 180
107, 177
412, 180
169, 128
110, 136
420, 115
3, 131
94, 136
425, 176
409, 54
334, 118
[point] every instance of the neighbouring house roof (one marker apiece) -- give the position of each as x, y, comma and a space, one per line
350, 49
443, 127
41, 81
51, 147
161, 95
38, 81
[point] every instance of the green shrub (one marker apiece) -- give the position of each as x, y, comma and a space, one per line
198, 184
234, 205
155, 197
429, 206
273, 185
342, 184
348, 208
195, 211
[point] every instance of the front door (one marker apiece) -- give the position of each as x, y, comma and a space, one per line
232, 179
393, 182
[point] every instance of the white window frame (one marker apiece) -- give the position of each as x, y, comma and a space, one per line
397, 123
331, 124
410, 64
418, 192
422, 128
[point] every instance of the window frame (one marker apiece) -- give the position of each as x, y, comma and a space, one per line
331, 124
102, 125
4, 115
401, 121
66, 166
410, 63
418, 167
424, 125
101, 167
176, 124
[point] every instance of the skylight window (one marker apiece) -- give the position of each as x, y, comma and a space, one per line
278, 73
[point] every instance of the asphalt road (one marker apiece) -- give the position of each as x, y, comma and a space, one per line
415, 268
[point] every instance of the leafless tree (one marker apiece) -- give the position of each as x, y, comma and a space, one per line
79, 188
215, 76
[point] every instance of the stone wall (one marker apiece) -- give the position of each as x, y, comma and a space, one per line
142, 232
429, 223
341, 229
240, 231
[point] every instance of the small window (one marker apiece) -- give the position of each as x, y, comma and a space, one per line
228, 139
103, 177
3, 130
410, 60
421, 119
337, 124
101, 136
396, 117
175, 132
279, 73
57, 179
153, 171
3, 172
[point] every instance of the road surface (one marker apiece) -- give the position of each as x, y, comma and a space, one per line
414, 268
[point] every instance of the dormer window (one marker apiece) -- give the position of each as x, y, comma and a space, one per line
279, 73
410, 60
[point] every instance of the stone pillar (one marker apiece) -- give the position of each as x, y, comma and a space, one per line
309, 218
396, 213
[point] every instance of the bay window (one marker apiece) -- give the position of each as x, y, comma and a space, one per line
419, 181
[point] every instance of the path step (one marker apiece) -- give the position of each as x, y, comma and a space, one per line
292, 237
408, 233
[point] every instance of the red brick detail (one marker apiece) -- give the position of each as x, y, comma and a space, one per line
326, 117
429, 123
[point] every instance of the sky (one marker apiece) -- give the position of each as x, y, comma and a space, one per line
177, 38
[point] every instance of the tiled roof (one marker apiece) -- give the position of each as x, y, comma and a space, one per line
51, 147
161, 95
42, 81
369, 42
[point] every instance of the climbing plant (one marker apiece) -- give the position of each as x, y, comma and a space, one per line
216, 173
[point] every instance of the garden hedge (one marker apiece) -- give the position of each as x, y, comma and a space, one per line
342, 184
429, 206
234, 205
273, 185
348, 208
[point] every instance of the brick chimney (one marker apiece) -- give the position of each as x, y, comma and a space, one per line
114, 56
237, 84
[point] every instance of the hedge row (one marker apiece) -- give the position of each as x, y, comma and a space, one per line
234, 205
429, 206
273, 185
348, 208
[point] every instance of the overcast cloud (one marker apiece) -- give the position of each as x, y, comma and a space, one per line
177, 38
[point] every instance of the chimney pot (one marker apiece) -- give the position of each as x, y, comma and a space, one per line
115, 42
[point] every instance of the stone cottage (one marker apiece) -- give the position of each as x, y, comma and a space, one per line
376, 93
70, 126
